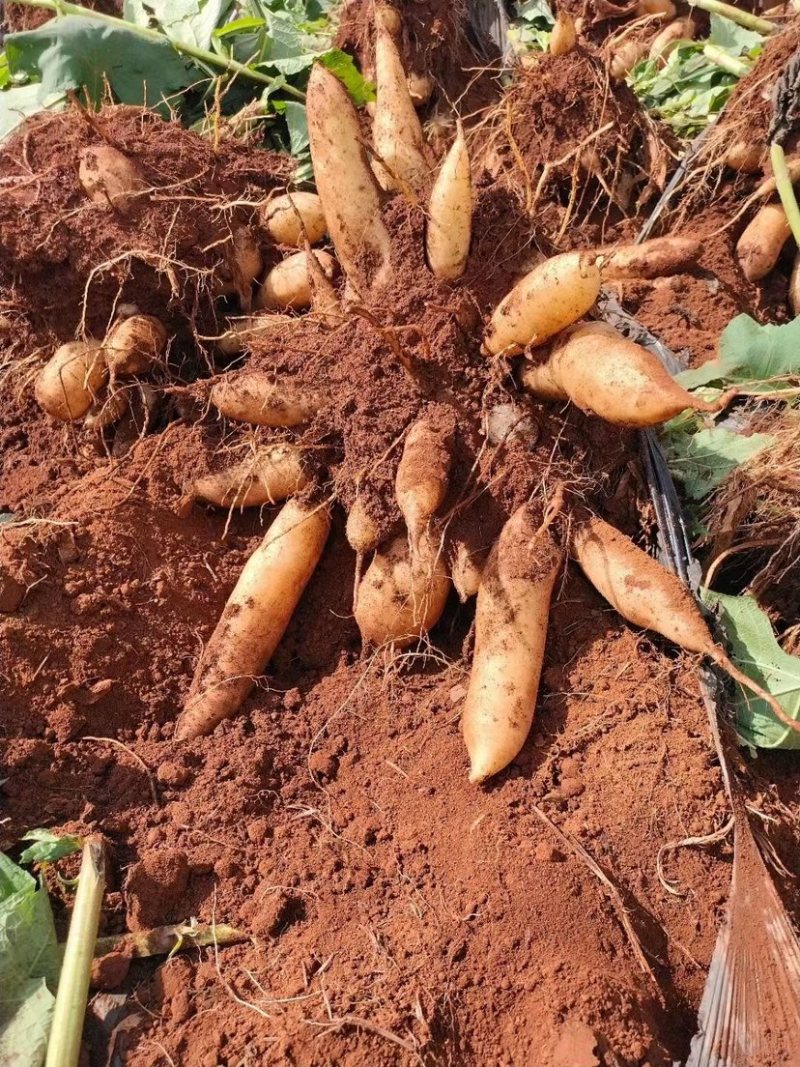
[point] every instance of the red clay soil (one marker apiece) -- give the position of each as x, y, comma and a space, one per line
394, 913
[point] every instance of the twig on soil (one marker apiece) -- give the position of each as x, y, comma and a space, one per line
150, 779
337, 1022
687, 842
575, 846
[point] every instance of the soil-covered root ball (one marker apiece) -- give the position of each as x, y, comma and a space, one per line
67, 385
293, 218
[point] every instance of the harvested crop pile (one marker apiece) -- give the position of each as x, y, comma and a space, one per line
317, 566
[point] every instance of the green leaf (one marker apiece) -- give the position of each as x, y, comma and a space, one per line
536, 11
705, 459
19, 102
72, 52
750, 352
189, 22
754, 649
736, 39
29, 965
342, 65
243, 25
49, 847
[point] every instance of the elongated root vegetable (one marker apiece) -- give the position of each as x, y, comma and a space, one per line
400, 600
288, 285
363, 535
68, 383
466, 569
449, 229
664, 8
253, 397
324, 298
396, 129
294, 217
625, 57
551, 297
110, 178
510, 631
745, 156
269, 474
563, 36
762, 241
133, 345
250, 328
604, 374
647, 595
668, 39
255, 617
422, 478
349, 196
651, 259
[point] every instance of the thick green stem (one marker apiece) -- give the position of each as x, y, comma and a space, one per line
211, 59
783, 183
726, 61
64, 1044
735, 14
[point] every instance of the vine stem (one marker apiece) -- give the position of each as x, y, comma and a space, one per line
783, 183
202, 55
735, 14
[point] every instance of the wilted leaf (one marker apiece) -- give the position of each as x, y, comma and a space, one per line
754, 649
190, 22
19, 102
49, 847
733, 38
703, 460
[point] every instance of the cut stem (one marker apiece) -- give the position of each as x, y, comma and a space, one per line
735, 14
64, 1044
783, 183
202, 55
720, 58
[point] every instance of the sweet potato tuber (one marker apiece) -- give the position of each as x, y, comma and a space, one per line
449, 228
134, 344
269, 474
288, 284
762, 241
294, 217
253, 397
68, 383
657, 258
422, 478
110, 178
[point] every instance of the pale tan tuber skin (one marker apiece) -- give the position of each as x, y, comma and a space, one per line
466, 570
249, 328
110, 179
106, 411
563, 36
255, 617
268, 475
325, 302
396, 130
605, 374
345, 184
294, 217
134, 344
253, 397
745, 156
288, 284
794, 286
549, 298
664, 42
761, 243
244, 266
399, 601
449, 230
665, 8
67, 385
648, 595
511, 621
363, 535
657, 258
422, 478
625, 57
420, 88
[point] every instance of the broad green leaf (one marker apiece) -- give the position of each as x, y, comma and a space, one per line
19, 102
13, 880
341, 64
26, 1011
733, 38
754, 649
49, 847
703, 460
535, 10
72, 52
750, 352
189, 22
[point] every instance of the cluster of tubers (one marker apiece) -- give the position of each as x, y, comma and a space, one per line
404, 589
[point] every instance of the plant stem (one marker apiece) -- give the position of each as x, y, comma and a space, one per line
720, 58
230, 66
735, 14
164, 940
783, 183
64, 1044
